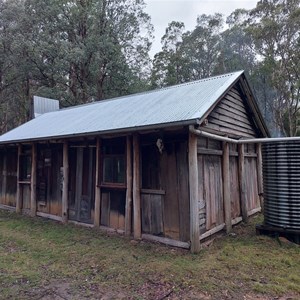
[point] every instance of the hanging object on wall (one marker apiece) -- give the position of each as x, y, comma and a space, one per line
160, 145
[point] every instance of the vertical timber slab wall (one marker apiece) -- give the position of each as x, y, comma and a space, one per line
240, 170
211, 202
234, 181
51, 175
251, 179
242, 182
19, 196
97, 215
8, 176
259, 173
193, 184
33, 181
128, 206
137, 226
65, 182
165, 199
226, 186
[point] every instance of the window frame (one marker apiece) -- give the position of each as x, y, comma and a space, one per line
104, 155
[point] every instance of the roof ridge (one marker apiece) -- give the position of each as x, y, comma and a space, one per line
150, 91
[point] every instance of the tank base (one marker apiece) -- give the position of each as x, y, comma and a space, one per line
291, 235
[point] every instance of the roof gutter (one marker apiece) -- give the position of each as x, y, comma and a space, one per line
242, 141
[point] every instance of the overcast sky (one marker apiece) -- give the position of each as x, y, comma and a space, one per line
163, 12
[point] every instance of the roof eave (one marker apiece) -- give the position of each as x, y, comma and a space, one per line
128, 130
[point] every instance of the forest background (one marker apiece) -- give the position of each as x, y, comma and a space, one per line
80, 51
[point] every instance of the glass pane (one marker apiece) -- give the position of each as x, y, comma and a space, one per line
120, 175
25, 171
108, 169
114, 169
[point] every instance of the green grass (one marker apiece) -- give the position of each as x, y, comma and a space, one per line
40, 257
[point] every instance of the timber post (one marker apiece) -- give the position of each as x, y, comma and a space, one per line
65, 182
33, 181
241, 168
128, 206
97, 212
259, 174
137, 226
19, 198
226, 186
193, 187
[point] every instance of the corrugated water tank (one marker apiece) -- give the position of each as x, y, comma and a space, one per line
281, 176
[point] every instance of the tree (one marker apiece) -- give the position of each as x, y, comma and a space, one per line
169, 65
13, 68
76, 51
275, 29
201, 47
188, 55
236, 46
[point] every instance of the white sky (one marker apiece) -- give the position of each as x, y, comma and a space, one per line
163, 12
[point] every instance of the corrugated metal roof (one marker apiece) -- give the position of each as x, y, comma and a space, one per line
184, 103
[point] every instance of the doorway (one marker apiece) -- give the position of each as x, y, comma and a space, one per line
82, 183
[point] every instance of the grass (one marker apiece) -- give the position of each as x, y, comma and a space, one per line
41, 258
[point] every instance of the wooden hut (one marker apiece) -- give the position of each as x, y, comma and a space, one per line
141, 164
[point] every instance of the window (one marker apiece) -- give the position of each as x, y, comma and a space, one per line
114, 169
150, 167
113, 162
25, 167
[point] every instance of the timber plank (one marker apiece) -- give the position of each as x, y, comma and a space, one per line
235, 96
226, 187
146, 213
231, 120
234, 104
259, 173
128, 205
97, 209
156, 214
242, 182
114, 212
229, 113
33, 181
65, 182
169, 183
234, 188
193, 189
137, 226
228, 106
183, 190
202, 205
213, 195
78, 189
105, 208
237, 129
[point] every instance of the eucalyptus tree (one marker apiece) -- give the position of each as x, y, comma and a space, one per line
236, 46
168, 64
189, 55
13, 68
100, 47
275, 29
73, 50
201, 47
